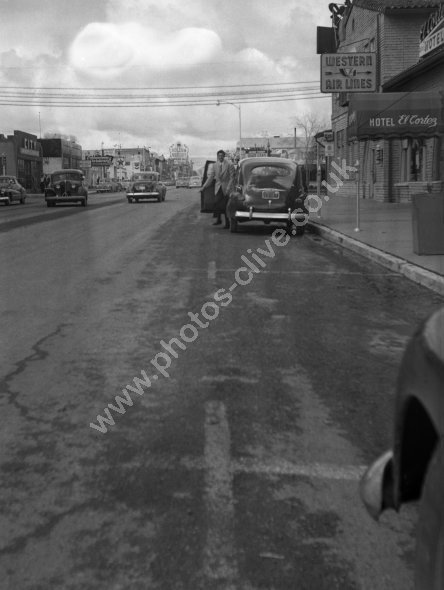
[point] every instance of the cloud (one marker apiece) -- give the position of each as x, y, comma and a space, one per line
107, 50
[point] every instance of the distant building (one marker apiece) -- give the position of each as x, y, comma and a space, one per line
60, 152
282, 146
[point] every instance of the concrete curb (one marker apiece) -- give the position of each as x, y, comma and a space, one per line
422, 276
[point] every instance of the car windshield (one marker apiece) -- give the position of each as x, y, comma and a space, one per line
58, 177
143, 176
270, 177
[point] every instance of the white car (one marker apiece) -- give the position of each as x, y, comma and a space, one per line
195, 181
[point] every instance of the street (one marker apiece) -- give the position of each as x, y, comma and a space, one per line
254, 395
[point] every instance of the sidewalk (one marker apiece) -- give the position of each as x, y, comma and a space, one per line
385, 236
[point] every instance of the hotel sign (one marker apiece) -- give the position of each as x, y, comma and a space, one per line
432, 32
348, 72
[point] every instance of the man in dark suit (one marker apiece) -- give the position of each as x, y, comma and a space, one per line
222, 174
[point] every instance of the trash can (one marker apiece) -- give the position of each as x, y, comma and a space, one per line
428, 223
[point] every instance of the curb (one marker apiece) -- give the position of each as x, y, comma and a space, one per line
422, 276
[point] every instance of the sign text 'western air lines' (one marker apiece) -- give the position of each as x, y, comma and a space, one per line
348, 72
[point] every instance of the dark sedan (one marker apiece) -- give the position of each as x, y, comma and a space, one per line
146, 185
66, 186
11, 190
414, 469
270, 190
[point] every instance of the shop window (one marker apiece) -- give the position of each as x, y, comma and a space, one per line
413, 160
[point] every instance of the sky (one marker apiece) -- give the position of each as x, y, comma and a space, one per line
151, 73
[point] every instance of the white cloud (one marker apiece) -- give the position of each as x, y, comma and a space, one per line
108, 50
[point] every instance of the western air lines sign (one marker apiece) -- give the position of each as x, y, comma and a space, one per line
348, 72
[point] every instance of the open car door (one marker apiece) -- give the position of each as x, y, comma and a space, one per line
207, 196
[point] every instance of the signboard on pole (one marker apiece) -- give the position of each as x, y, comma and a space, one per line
101, 160
348, 72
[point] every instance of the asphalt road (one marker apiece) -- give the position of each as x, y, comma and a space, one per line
255, 379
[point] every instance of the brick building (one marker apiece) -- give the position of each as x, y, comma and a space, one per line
394, 133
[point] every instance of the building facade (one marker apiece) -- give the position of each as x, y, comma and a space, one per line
60, 152
22, 157
393, 136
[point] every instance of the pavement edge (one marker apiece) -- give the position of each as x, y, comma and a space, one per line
422, 276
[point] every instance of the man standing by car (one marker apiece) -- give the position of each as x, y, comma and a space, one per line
222, 174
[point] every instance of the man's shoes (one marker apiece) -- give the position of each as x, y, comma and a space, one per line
217, 222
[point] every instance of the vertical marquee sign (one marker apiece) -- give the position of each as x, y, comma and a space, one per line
432, 32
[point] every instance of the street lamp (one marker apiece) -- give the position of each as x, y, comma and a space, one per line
238, 107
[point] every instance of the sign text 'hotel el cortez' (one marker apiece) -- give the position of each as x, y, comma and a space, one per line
348, 72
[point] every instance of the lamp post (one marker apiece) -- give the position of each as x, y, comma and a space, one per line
238, 107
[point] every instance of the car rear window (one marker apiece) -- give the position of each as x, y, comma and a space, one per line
270, 176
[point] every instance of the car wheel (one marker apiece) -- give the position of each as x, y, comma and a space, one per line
233, 225
7, 202
48, 204
429, 569
22, 200
130, 200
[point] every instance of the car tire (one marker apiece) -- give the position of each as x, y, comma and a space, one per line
22, 200
429, 567
233, 225
7, 202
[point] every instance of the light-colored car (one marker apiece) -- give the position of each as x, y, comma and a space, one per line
195, 182
11, 190
66, 186
146, 185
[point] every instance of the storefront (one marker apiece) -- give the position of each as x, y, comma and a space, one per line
23, 158
399, 147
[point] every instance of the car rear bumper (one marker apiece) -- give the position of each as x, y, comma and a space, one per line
142, 195
263, 215
70, 199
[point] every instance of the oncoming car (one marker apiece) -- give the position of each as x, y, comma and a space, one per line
194, 182
414, 468
66, 186
11, 190
270, 190
183, 182
146, 185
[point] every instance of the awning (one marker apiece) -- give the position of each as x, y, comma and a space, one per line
395, 114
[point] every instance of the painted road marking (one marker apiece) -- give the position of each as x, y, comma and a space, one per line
220, 564
272, 466
211, 270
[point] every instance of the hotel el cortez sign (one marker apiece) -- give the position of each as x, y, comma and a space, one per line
348, 72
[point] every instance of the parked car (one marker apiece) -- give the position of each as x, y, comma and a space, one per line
414, 468
183, 182
66, 186
104, 187
194, 182
146, 185
271, 190
11, 190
